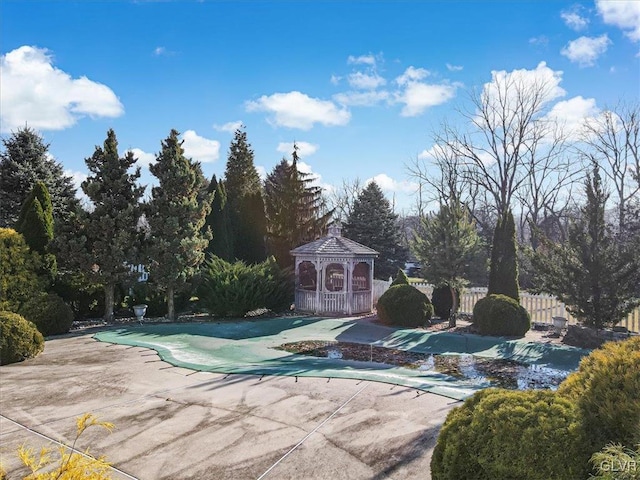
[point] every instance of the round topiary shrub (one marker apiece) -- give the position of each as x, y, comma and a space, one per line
19, 338
605, 387
501, 316
405, 306
49, 313
442, 301
497, 433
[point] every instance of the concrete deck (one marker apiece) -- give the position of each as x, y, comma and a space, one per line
174, 423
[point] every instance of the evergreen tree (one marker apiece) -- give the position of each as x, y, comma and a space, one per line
176, 217
106, 240
503, 273
35, 223
373, 223
295, 209
246, 219
593, 274
217, 222
447, 243
23, 162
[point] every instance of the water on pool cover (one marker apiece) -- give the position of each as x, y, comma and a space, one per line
497, 372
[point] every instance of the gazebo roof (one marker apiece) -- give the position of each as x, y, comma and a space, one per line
334, 245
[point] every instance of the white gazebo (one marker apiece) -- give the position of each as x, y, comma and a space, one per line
334, 275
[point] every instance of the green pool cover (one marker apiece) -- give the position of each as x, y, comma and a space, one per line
247, 347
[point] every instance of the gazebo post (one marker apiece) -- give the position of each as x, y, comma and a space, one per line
318, 265
371, 265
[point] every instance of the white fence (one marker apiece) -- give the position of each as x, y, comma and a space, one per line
541, 307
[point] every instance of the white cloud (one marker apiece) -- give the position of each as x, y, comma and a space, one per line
510, 89
159, 51
43, 96
540, 40
230, 127
144, 158
586, 50
78, 178
199, 148
574, 20
262, 172
305, 149
624, 14
298, 110
417, 97
362, 59
571, 114
388, 184
335, 79
412, 74
454, 68
365, 81
361, 99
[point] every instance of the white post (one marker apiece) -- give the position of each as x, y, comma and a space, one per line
318, 265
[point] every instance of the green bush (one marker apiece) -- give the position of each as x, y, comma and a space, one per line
155, 299
442, 301
606, 387
86, 300
615, 462
404, 305
234, 289
49, 313
18, 270
401, 278
510, 434
19, 338
501, 316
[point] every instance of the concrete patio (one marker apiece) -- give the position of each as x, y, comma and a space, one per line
174, 423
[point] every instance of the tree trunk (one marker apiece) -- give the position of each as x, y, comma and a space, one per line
170, 304
109, 299
454, 307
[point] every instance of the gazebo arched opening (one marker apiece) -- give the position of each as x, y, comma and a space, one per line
307, 276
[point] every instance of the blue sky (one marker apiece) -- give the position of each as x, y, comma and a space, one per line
361, 86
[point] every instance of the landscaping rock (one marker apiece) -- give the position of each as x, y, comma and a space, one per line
586, 337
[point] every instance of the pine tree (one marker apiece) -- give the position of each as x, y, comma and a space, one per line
373, 223
218, 222
23, 162
35, 223
296, 212
176, 217
106, 240
446, 243
593, 274
503, 273
247, 227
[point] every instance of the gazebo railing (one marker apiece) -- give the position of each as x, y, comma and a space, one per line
305, 300
333, 302
361, 302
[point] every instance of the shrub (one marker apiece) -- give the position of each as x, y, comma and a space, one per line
510, 434
404, 305
234, 289
18, 270
401, 278
85, 299
19, 338
442, 301
501, 316
49, 313
605, 387
615, 462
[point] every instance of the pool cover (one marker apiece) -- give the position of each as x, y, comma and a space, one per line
247, 347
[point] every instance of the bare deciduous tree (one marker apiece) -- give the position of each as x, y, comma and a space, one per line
613, 140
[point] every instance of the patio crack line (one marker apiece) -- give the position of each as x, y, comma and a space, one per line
41, 435
312, 432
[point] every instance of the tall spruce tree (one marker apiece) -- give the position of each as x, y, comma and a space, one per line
447, 243
23, 162
244, 199
503, 273
217, 222
296, 212
373, 223
594, 274
176, 215
35, 223
106, 240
